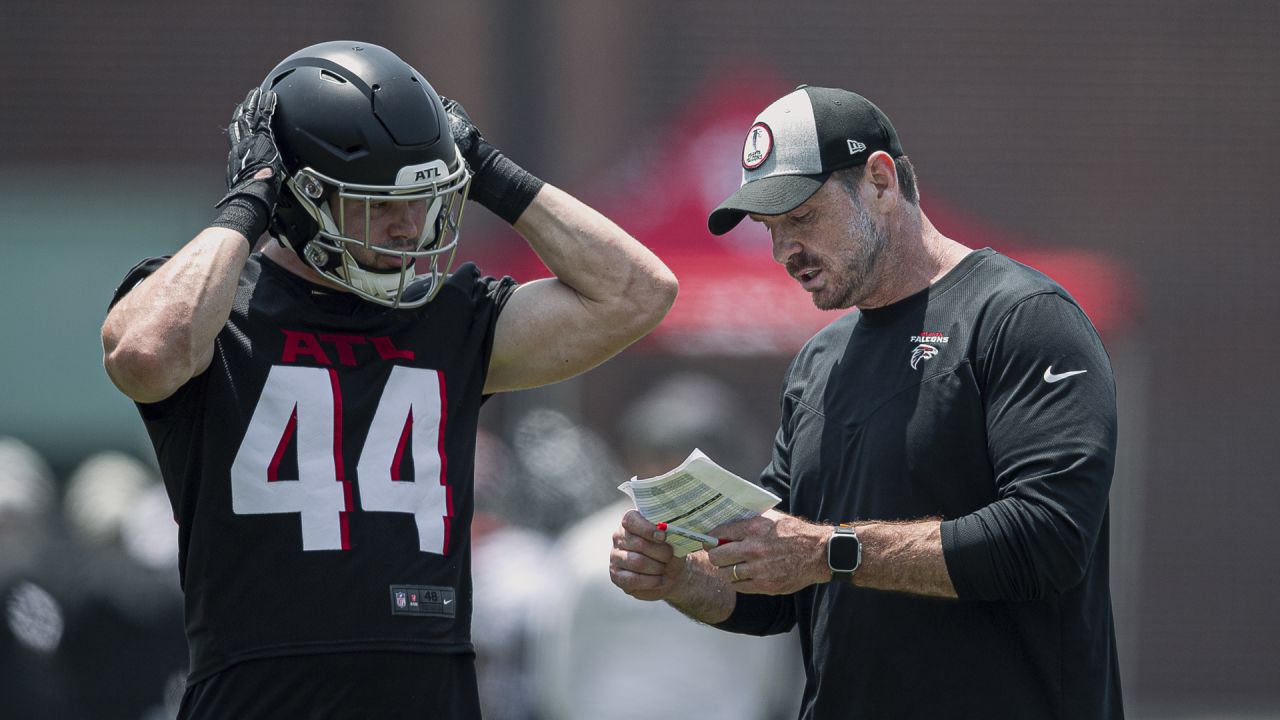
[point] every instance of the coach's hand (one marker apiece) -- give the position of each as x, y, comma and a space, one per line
497, 183
772, 554
254, 171
643, 567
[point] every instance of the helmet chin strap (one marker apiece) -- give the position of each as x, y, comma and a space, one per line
379, 284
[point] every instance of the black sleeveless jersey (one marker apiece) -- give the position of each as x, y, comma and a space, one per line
320, 470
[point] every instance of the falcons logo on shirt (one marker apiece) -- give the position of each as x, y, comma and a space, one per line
922, 352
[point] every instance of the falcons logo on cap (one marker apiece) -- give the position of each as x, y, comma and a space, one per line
757, 147
922, 352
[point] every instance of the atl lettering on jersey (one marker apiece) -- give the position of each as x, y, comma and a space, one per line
302, 344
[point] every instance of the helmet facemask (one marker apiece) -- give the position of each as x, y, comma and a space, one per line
347, 216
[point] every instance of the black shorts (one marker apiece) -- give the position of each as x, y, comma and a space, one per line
341, 685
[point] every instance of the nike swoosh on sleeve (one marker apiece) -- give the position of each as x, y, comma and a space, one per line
1051, 377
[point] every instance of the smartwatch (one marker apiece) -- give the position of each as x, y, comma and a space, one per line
844, 553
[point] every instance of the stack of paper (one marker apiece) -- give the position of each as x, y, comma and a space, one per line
698, 495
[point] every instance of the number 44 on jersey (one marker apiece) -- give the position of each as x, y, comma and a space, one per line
307, 403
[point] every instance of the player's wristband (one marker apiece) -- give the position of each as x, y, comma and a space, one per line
501, 185
245, 214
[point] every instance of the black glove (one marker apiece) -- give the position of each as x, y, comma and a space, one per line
249, 202
497, 183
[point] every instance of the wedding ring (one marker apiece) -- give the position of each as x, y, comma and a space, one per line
735, 573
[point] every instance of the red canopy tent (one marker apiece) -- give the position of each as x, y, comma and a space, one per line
734, 299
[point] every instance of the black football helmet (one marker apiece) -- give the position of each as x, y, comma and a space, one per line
360, 132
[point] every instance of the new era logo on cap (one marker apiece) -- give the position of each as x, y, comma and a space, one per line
796, 143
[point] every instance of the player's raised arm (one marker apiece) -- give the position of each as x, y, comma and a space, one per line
608, 289
161, 333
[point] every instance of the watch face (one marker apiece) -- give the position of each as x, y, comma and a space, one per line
844, 551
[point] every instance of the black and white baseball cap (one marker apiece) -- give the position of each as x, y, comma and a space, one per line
796, 143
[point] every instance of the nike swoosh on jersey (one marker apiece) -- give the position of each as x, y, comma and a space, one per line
1052, 377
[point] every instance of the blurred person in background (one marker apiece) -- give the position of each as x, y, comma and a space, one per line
554, 472
564, 468
125, 653
587, 626
88, 630
28, 498
101, 493
314, 405
512, 574
944, 456
33, 619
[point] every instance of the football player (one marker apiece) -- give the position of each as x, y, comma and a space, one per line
314, 405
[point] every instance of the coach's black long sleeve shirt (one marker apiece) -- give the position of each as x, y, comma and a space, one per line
987, 400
